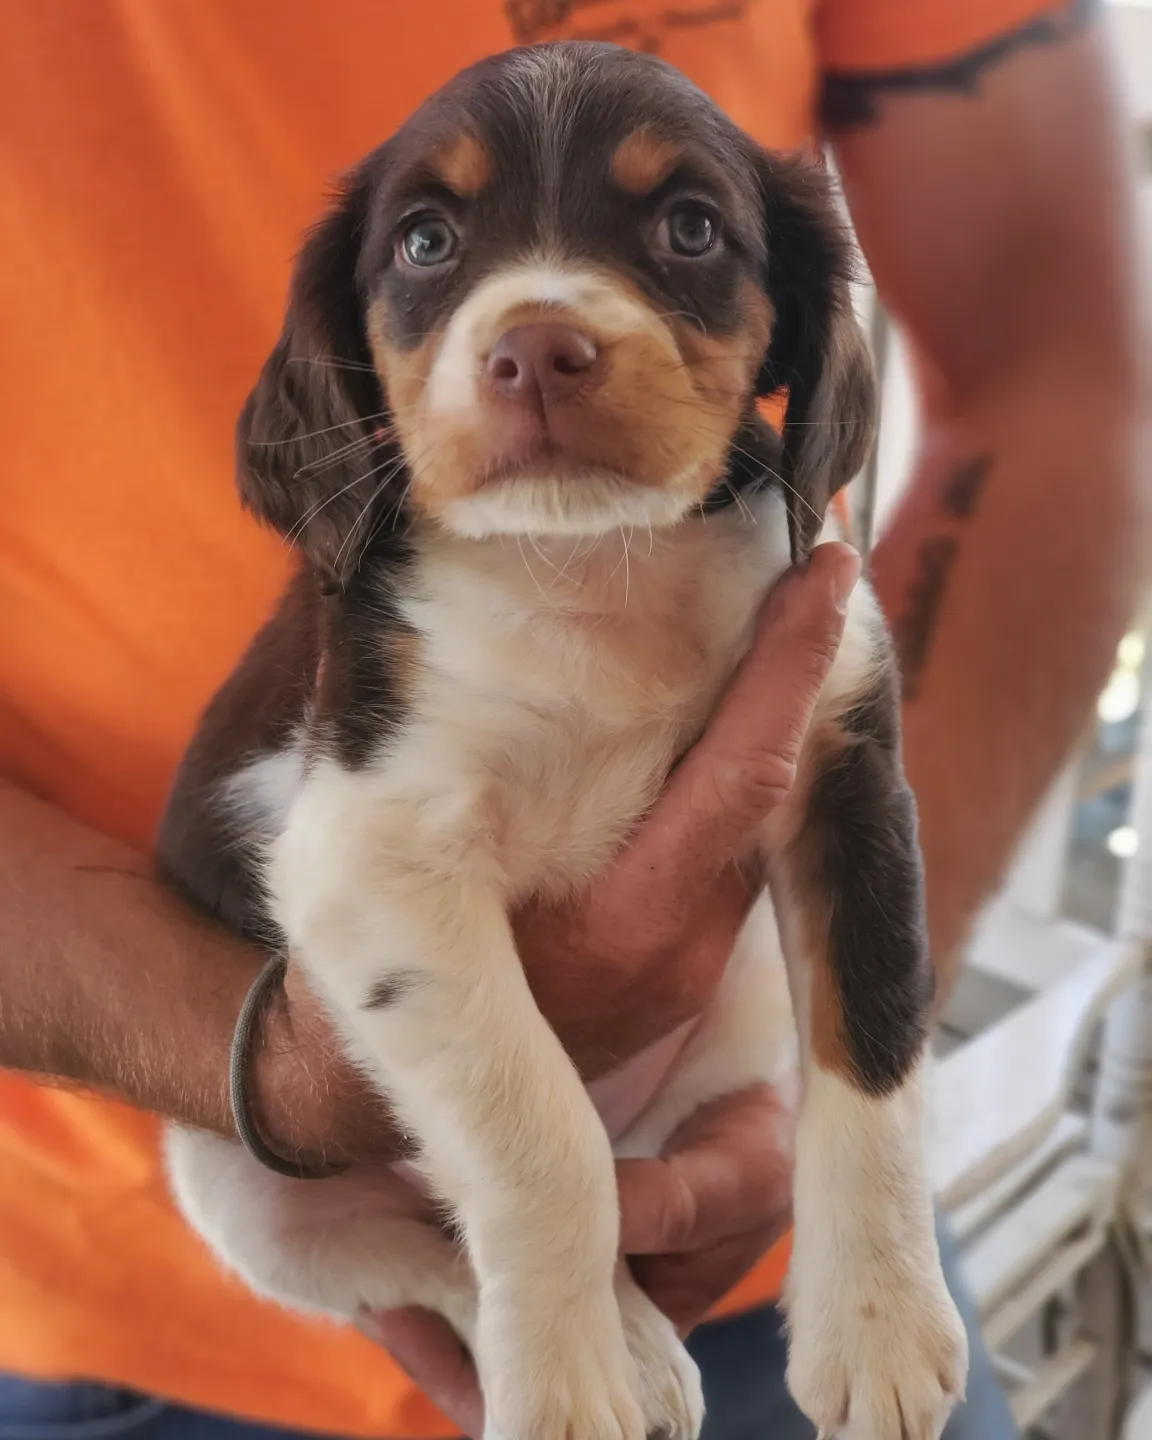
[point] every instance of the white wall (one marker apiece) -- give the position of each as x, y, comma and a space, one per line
1131, 26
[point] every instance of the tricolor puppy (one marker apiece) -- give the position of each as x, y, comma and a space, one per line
511, 426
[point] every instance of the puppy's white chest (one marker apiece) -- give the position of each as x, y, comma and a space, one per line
565, 795
553, 705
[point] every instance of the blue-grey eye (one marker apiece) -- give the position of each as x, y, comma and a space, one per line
689, 230
428, 242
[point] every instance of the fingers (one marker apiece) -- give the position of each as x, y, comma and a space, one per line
687, 1287
429, 1352
746, 761
697, 1220
728, 1171
666, 913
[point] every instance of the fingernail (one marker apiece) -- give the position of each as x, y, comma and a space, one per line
845, 574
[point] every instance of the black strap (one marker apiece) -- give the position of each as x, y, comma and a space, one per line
271, 974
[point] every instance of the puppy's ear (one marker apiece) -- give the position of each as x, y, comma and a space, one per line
313, 440
817, 353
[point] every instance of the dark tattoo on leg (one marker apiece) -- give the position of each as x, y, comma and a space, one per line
915, 628
851, 100
962, 493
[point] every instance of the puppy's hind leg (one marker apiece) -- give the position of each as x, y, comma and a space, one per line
877, 1349
331, 1247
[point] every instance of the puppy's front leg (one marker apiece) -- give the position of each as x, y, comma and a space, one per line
878, 1351
401, 926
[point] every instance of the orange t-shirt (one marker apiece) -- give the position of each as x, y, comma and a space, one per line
159, 162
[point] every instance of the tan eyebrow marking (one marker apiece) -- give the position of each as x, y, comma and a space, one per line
464, 165
642, 160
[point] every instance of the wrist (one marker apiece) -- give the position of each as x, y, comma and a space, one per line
310, 1104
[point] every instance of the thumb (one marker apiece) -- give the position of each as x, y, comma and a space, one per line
726, 1172
745, 763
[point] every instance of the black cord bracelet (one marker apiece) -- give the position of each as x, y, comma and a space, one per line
272, 973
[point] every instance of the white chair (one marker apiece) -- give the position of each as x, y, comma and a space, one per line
1052, 1207
1030, 1204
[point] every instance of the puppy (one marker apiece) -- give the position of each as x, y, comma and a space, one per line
511, 426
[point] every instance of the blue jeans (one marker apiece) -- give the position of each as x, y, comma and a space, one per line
742, 1361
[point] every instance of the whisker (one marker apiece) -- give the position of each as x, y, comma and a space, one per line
741, 503
328, 429
678, 315
792, 490
396, 462
333, 362
392, 468
557, 572
397, 510
344, 452
584, 552
625, 562
357, 523
315, 510
532, 573
775, 475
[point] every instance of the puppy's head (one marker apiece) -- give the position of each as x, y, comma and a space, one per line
547, 305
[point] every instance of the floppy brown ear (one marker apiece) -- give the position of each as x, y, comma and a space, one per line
313, 442
818, 353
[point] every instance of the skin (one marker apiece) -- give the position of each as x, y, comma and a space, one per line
1029, 361
1017, 191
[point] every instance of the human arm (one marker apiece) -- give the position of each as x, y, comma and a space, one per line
996, 216
106, 979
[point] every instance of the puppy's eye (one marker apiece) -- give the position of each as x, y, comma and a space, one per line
689, 230
428, 242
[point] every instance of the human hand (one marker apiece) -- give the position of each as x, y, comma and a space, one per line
693, 1221
627, 963
641, 953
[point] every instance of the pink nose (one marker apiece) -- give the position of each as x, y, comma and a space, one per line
540, 364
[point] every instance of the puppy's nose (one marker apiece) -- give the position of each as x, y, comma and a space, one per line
541, 363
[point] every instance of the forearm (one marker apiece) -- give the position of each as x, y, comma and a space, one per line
110, 981
106, 978
998, 221
1008, 576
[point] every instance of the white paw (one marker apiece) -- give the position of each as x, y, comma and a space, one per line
558, 1377
668, 1382
890, 1367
